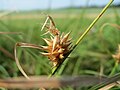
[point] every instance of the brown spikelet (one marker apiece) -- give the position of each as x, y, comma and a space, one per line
57, 48
58, 45
65, 38
48, 41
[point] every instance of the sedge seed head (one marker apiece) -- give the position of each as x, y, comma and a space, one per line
57, 48
58, 45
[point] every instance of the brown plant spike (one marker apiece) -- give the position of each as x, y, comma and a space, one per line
58, 46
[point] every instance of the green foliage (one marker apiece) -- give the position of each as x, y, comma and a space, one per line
94, 53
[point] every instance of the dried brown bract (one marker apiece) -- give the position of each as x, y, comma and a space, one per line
58, 46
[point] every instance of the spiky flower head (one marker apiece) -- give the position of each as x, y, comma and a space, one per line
57, 48
58, 45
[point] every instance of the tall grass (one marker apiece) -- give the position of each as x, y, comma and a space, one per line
93, 57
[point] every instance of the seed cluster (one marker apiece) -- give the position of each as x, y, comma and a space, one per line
57, 47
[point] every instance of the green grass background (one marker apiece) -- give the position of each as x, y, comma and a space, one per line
92, 54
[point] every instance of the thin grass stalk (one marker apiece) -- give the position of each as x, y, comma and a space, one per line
16, 58
93, 23
112, 79
6, 13
83, 35
10, 33
114, 68
108, 87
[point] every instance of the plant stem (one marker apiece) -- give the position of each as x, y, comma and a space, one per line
110, 80
83, 35
114, 68
93, 23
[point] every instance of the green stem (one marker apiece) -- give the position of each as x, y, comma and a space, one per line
93, 23
83, 35
114, 68
107, 82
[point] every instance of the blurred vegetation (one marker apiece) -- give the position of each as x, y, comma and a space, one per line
93, 56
